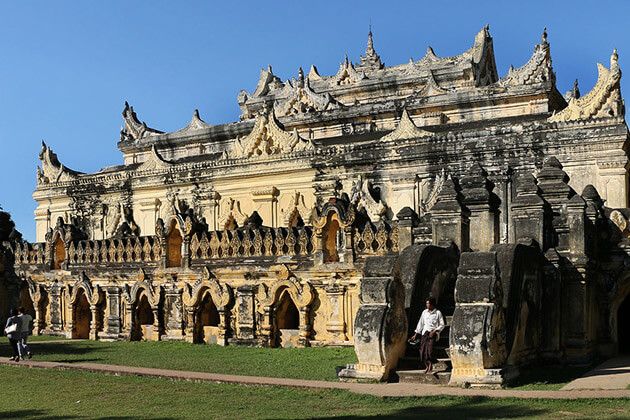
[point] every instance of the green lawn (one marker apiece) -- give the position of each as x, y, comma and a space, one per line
301, 363
547, 377
52, 394
34, 338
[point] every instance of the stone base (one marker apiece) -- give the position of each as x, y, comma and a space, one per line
289, 338
321, 343
358, 371
440, 377
247, 342
492, 378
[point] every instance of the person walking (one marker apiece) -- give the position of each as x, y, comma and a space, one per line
429, 326
26, 330
13, 330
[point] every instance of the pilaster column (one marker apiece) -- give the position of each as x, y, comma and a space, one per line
94, 324
173, 304
245, 302
336, 325
114, 323
305, 328
407, 220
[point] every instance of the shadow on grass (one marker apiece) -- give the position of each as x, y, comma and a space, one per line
44, 415
69, 349
549, 375
472, 408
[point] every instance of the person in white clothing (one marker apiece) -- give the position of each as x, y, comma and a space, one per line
429, 326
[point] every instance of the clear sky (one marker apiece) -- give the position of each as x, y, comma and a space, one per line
68, 66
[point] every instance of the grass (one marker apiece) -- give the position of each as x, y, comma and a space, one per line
547, 378
300, 363
65, 394
36, 338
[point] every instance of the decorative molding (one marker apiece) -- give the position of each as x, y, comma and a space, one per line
537, 69
267, 138
154, 161
134, 129
52, 171
406, 129
196, 123
604, 100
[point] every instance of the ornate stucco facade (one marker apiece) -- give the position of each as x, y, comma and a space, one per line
337, 203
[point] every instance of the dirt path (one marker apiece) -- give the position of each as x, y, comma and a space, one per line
612, 374
383, 390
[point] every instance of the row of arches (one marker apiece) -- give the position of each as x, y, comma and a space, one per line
207, 325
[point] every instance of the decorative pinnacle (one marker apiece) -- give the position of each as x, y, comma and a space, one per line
543, 38
613, 59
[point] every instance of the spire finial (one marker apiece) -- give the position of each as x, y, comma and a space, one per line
613, 58
543, 39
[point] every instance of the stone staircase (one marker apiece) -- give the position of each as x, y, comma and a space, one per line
411, 370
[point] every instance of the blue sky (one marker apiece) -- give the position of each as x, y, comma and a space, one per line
68, 66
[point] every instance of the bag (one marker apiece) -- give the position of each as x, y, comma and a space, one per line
11, 329
414, 341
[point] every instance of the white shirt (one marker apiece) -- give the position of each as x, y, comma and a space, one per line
26, 322
429, 321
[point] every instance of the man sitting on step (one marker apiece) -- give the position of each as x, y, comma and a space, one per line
429, 326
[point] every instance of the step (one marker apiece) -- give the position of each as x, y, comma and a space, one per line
419, 377
415, 363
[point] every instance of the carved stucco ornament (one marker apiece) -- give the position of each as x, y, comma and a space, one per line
361, 197
267, 138
298, 97
347, 74
134, 129
537, 69
406, 129
296, 204
196, 123
51, 170
619, 220
427, 204
154, 161
231, 209
222, 295
604, 100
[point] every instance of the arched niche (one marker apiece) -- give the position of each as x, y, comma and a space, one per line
144, 317
174, 242
287, 314
81, 316
286, 309
208, 320
329, 237
59, 253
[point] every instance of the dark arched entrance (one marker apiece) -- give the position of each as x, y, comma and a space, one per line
287, 321
208, 316
59, 253
144, 318
174, 247
81, 316
623, 326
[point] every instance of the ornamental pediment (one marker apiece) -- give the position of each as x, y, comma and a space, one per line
267, 138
